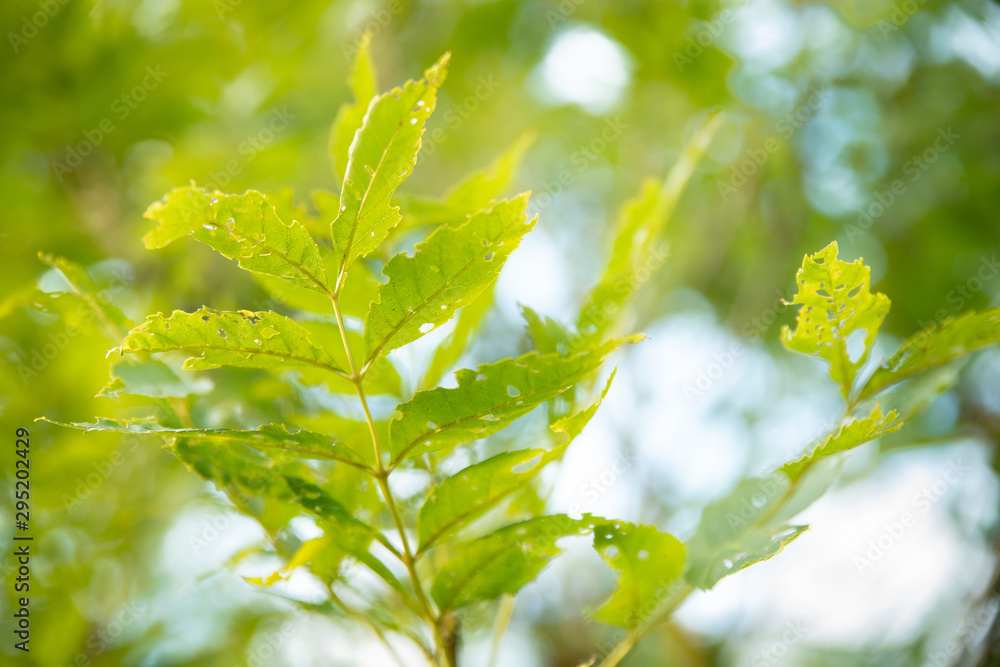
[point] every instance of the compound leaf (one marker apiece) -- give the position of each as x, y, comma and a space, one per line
838, 312
648, 563
936, 345
244, 338
244, 228
382, 155
448, 270
502, 562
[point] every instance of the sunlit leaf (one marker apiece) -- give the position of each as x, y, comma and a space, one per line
471, 492
218, 338
244, 228
936, 345
502, 562
448, 270
297, 443
486, 400
839, 318
648, 563
849, 436
382, 155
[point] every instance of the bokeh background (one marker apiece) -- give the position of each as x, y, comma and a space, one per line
106, 105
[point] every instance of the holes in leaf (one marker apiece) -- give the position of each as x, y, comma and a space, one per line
642, 555
527, 466
854, 292
611, 551
425, 327
489, 257
210, 226
222, 332
431, 425
512, 391
855, 345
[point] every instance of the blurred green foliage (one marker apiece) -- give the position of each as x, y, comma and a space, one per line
865, 123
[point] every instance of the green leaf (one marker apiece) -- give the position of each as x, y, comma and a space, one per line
745, 527
363, 84
481, 187
502, 562
571, 426
245, 339
936, 345
547, 334
382, 155
836, 304
83, 286
151, 378
380, 378
297, 443
486, 400
472, 492
648, 561
638, 249
450, 268
849, 436
244, 228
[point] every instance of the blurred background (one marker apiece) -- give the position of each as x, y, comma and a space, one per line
874, 124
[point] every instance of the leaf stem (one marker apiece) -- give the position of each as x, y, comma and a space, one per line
382, 477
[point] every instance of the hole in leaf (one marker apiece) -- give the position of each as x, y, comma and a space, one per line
222, 332
855, 345
425, 327
512, 391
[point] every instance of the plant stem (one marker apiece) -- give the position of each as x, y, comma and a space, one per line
382, 477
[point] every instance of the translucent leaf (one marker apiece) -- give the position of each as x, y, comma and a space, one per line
936, 345
502, 562
297, 443
482, 186
382, 155
475, 192
839, 318
244, 228
364, 86
214, 338
638, 249
547, 334
573, 425
449, 269
151, 378
83, 286
486, 400
471, 492
745, 527
648, 563
849, 436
